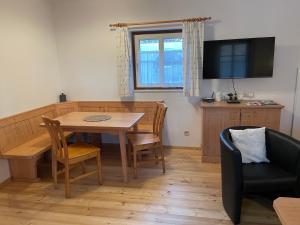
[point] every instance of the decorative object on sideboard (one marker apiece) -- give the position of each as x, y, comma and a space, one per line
261, 103
209, 99
218, 96
62, 97
233, 97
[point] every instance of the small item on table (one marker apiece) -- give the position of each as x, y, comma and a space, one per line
97, 118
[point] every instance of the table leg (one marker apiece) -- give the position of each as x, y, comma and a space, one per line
135, 128
122, 139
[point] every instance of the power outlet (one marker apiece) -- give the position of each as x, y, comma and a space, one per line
186, 133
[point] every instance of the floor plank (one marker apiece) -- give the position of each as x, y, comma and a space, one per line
188, 194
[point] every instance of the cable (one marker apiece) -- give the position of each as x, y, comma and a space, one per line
233, 86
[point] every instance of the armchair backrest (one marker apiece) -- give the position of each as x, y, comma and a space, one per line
283, 151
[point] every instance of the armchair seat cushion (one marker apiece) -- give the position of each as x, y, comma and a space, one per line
261, 177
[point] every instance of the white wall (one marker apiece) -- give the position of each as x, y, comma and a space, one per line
296, 127
29, 73
87, 50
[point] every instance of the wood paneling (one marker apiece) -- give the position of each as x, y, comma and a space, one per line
65, 107
214, 121
21, 128
220, 115
24, 169
23, 140
261, 117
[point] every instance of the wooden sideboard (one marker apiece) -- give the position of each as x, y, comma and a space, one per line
220, 115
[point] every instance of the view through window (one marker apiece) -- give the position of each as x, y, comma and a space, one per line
158, 59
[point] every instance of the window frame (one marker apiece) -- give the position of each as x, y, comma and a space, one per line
135, 73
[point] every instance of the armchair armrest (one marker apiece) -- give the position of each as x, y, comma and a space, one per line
283, 151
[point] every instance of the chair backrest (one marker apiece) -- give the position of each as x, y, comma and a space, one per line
159, 118
59, 144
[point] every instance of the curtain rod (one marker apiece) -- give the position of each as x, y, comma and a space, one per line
195, 19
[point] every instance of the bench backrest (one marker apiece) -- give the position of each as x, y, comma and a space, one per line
147, 107
18, 129
23, 127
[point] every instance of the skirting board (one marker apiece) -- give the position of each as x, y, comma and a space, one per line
5, 182
182, 147
165, 146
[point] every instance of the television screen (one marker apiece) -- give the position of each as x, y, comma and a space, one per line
238, 58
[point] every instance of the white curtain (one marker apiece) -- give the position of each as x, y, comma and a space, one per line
124, 61
193, 37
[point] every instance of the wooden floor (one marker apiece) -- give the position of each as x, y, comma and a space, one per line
189, 193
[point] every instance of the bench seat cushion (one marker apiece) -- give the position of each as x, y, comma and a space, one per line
32, 148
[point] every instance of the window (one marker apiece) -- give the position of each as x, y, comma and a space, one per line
157, 59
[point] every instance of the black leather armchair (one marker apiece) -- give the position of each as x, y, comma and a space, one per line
282, 173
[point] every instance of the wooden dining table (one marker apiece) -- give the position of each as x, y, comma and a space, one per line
119, 124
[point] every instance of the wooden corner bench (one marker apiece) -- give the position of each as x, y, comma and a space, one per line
23, 141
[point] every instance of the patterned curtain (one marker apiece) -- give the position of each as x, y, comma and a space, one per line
124, 61
193, 37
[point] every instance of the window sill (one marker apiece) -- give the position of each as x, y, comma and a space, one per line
158, 90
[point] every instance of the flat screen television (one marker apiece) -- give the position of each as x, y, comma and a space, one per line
239, 58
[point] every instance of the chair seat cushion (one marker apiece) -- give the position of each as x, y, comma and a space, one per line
262, 177
143, 139
80, 151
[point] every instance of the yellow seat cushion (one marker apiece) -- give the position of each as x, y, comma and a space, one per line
78, 151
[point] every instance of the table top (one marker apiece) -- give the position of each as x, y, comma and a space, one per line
118, 121
288, 210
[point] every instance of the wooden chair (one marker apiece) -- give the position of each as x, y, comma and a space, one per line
139, 142
70, 156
